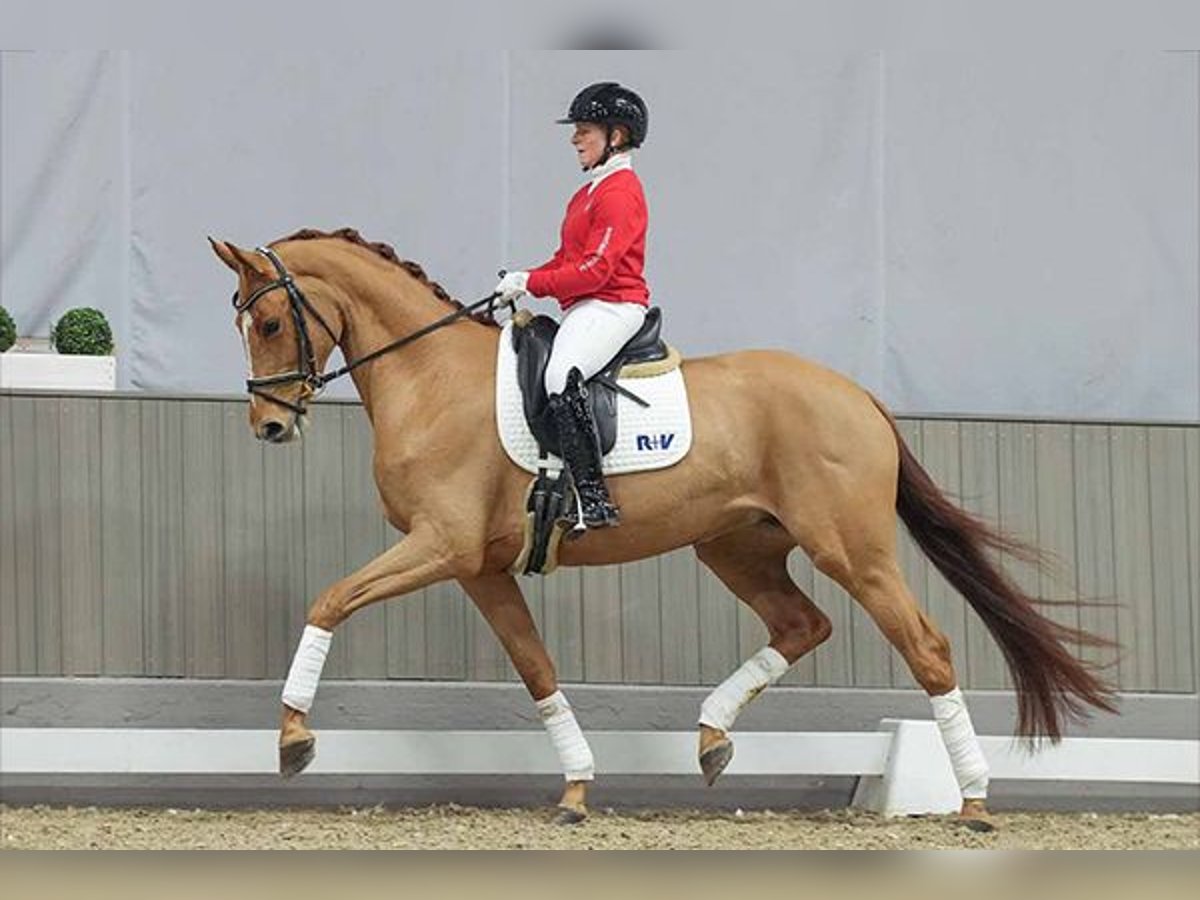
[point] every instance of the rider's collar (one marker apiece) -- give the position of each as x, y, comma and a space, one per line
615, 163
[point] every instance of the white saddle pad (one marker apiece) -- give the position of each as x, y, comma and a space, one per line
647, 438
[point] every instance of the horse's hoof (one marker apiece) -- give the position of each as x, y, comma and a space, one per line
714, 760
983, 826
568, 815
294, 758
975, 817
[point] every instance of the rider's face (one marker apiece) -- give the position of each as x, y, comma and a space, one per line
588, 141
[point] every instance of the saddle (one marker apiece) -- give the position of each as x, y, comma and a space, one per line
533, 339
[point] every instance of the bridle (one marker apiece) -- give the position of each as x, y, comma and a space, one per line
298, 304
308, 372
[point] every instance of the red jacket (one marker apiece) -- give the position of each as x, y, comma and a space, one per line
603, 246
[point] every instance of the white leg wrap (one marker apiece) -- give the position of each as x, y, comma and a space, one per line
970, 767
301, 684
721, 707
568, 739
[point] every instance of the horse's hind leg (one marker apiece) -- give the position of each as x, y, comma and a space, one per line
860, 556
500, 601
752, 563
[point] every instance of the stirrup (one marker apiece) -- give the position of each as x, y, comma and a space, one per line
604, 512
580, 524
611, 519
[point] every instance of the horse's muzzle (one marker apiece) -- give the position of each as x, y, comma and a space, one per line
275, 432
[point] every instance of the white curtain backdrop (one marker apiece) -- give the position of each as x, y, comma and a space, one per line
960, 232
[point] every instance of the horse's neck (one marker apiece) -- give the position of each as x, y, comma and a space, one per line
412, 376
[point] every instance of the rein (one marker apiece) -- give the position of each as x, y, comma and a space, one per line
314, 380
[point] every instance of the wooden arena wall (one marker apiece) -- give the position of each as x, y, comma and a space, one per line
152, 536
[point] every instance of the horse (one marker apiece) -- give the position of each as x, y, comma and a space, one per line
785, 454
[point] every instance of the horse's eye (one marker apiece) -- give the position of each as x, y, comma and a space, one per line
270, 327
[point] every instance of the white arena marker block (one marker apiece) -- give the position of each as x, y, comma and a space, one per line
918, 778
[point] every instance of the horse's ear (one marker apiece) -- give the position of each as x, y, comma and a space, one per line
225, 253
236, 258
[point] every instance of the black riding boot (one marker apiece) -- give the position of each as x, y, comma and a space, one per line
572, 416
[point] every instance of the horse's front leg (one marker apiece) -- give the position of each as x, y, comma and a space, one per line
420, 559
501, 603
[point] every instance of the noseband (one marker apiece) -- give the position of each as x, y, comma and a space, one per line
308, 372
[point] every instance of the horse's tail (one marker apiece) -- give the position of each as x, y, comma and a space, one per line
1052, 685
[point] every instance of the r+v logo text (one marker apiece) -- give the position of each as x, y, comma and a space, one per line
655, 441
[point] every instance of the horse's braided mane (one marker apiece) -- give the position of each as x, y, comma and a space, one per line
385, 251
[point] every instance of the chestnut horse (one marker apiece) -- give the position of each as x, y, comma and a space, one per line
785, 454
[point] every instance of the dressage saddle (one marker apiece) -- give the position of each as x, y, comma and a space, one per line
533, 343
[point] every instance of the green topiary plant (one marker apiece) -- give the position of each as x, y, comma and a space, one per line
8, 330
82, 332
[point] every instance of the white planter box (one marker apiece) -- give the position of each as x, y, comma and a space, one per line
50, 371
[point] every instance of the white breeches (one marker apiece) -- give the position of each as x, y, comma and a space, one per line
591, 333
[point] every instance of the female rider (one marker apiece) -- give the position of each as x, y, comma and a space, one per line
596, 276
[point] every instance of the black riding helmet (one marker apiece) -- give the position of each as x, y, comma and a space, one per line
608, 103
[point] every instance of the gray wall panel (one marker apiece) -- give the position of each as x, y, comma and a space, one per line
45, 520
81, 570
286, 593
25, 533
1192, 444
679, 603
162, 537
446, 609
121, 543
203, 526
1056, 520
245, 577
602, 651
561, 622
1133, 558
640, 606
9, 616
1169, 534
150, 536
1094, 538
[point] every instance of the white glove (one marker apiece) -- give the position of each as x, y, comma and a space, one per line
512, 286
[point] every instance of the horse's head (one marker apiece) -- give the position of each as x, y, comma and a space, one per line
286, 337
